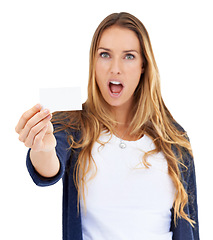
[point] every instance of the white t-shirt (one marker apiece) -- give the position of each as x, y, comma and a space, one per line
126, 201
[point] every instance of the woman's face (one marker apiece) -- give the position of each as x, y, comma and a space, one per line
118, 65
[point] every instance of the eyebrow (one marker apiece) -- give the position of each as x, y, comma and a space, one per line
126, 51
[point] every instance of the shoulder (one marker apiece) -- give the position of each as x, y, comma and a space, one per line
181, 151
178, 126
180, 129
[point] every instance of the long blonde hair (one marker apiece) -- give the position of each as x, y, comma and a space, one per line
150, 116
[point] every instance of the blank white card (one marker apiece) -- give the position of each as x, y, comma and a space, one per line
61, 99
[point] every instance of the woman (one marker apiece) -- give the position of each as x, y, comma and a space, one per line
127, 166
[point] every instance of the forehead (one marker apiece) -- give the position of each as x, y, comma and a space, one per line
118, 38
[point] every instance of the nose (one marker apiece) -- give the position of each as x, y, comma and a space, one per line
115, 66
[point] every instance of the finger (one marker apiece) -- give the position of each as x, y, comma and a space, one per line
44, 115
37, 142
35, 131
26, 116
50, 128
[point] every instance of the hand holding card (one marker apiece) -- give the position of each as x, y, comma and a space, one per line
61, 99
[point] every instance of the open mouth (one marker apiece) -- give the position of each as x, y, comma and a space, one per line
115, 87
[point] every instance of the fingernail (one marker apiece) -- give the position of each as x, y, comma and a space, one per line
46, 111
38, 106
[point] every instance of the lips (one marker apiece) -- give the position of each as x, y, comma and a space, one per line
115, 87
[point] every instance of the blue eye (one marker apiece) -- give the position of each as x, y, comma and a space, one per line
104, 55
129, 57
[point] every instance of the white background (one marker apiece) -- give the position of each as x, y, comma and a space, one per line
46, 43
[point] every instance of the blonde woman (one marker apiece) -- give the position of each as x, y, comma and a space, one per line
127, 166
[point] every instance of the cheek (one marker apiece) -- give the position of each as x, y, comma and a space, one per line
98, 70
101, 66
99, 74
134, 73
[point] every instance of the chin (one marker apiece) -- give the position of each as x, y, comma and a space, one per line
119, 103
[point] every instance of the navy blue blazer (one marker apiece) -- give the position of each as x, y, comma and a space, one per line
72, 229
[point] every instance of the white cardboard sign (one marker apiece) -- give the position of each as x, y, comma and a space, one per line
61, 99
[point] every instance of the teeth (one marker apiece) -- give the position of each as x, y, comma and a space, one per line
115, 82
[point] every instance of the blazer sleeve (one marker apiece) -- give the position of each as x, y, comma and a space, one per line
183, 230
63, 152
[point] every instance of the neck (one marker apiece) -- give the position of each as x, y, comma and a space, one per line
123, 117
